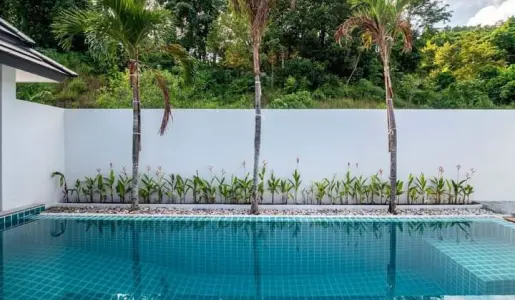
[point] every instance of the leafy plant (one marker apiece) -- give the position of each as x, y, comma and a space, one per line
170, 186
348, 185
194, 184
358, 190
338, 190
296, 182
225, 192
63, 185
123, 185
100, 186
450, 195
460, 188
223, 188
77, 188
181, 188
374, 187
332, 191
467, 191
245, 186
208, 188
383, 187
367, 192
437, 188
421, 187
235, 190
148, 186
285, 187
307, 195
109, 182
399, 190
273, 185
411, 190
89, 187
161, 185
261, 184
321, 190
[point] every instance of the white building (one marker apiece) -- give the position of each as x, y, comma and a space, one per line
26, 134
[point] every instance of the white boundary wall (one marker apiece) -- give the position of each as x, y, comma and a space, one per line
32, 147
324, 140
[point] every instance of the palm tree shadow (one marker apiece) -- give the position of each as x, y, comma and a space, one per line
60, 230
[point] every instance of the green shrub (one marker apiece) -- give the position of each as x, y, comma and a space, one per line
77, 85
443, 80
507, 94
465, 94
297, 100
309, 74
365, 89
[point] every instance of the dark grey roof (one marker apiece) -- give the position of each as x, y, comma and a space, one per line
17, 51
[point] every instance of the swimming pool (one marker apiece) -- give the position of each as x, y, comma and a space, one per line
218, 258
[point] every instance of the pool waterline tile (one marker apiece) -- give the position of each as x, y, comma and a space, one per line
20, 216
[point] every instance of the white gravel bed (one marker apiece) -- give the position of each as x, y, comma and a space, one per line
267, 211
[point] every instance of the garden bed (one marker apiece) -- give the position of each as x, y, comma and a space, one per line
301, 210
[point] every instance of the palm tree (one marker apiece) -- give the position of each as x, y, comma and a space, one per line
381, 23
257, 12
136, 27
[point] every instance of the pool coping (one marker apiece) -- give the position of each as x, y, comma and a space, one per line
190, 216
272, 206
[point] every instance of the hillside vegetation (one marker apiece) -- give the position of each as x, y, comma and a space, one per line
465, 67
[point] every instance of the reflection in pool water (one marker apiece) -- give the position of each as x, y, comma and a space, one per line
256, 258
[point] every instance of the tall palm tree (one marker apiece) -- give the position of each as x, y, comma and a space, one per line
257, 12
381, 23
136, 27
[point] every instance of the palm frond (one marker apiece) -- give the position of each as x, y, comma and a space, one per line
257, 12
167, 113
62, 179
185, 60
69, 23
367, 24
404, 28
380, 21
54, 174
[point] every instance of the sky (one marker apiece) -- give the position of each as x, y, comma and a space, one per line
480, 12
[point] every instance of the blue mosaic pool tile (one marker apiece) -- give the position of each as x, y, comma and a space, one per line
19, 217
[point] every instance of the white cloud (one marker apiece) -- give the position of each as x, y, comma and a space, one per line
489, 15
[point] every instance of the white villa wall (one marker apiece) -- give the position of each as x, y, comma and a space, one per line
32, 147
324, 140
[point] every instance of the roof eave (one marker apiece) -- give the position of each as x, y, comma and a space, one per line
27, 66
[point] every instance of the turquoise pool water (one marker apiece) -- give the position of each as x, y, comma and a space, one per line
255, 258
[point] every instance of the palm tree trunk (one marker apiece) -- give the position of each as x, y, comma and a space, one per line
136, 131
257, 130
392, 135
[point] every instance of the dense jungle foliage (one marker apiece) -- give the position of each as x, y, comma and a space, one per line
462, 67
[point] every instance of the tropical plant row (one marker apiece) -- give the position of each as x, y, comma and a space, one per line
158, 187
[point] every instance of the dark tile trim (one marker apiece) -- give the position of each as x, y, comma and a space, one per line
19, 216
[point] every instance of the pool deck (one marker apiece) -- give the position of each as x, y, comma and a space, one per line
501, 207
